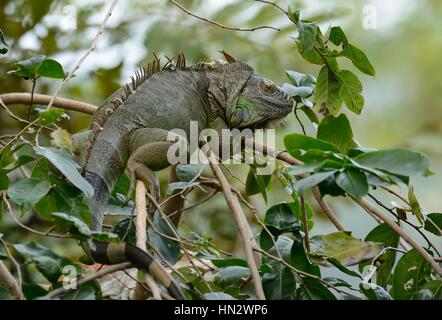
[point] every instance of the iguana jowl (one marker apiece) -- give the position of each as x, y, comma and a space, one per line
130, 129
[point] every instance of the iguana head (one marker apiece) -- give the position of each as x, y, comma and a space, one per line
249, 100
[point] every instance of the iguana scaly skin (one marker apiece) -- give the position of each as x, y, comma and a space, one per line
129, 131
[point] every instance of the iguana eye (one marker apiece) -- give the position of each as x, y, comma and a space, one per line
267, 87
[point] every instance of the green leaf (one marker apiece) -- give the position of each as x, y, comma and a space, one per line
64, 162
307, 35
27, 69
412, 271
187, 172
398, 161
350, 91
312, 180
4, 181
296, 208
281, 217
48, 117
297, 145
72, 224
337, 130
338, 37
299, 260
312, 289
169, 249
233, 274
435, 287
218, 296
359, 59
310, 114
327, 91
87, 291
436, 218
343, 268
47, 262
256, 183
27, 192
46, 206
221, 263
383, 234
344, 248
50, 68
415, 206
353, 181
374, 292
172, 187
36, 67
279, 283
3, 45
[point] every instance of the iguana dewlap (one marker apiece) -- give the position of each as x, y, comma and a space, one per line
129, 131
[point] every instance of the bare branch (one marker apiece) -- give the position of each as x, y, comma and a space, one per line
219, 24
8, 282
68, 104
240, 220
367, 206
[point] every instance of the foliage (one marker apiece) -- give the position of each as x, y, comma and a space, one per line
45, 180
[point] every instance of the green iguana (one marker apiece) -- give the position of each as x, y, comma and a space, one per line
129, 132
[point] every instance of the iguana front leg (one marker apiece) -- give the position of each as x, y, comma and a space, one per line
148, 149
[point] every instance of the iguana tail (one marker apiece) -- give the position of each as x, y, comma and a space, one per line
114, 253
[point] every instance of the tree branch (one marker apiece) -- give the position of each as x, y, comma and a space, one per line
240, 220
219, 24
8, 282
366, 205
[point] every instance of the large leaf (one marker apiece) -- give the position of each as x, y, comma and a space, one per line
47, 262
350, 91
412, 271
187, 172
313, 289
353, 181
64, 162
72, 224
398, 161
307, 35
312, 180
281, 217
306, 148
344, 248
383, 234
327, 91
279, 283
27, 192
298, 259
337, 130
359, 59
256, 183
337, 36
169, 249
233, 274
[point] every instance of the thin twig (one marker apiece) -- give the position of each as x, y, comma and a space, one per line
8, 282
85, 55
34, 82
23, 226
219, 24
90, 277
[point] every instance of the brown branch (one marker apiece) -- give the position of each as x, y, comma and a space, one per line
91, 277
68, 104
16, 264
141, 236
366, 205
240, 220
8, 282
219, 24
85, 55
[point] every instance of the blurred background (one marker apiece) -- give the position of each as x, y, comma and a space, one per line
403, 39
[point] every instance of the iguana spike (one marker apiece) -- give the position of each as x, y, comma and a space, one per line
228, 57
